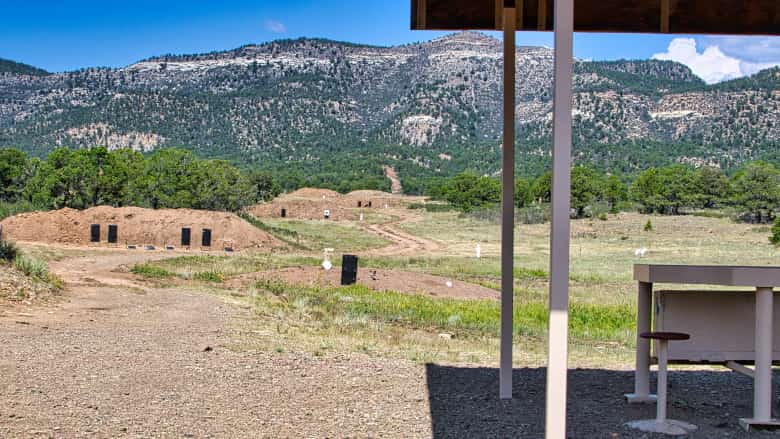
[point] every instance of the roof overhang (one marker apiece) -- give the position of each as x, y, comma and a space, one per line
730, 17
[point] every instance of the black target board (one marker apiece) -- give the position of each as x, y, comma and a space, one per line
113, 233
349, 269
186, 236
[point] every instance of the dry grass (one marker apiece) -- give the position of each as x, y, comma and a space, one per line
602, 291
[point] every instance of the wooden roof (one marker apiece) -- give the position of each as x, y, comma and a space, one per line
731, 17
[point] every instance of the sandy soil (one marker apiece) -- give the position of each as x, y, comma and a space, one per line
120, 361
376, 279
136, 226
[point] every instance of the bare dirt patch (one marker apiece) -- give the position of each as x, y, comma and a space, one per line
377, 280
136, 226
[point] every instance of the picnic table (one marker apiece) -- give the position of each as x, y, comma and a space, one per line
709, 313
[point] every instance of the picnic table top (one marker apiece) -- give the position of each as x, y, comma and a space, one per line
729, 275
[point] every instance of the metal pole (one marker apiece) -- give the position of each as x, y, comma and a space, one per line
508, 204
559, 236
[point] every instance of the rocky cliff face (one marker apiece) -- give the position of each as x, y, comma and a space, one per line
307, 99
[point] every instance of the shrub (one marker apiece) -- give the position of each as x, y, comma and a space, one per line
11, 209
649, 226
433, 207
209, 276
8, 251
775, 238
597, 209
490, 215
149, 270
32, 267
534, 214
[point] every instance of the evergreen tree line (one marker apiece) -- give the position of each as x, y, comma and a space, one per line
752, 194
175, 178
169, 178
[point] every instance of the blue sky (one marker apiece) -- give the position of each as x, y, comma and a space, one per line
67, 34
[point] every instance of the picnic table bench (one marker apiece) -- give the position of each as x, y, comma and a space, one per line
732, 328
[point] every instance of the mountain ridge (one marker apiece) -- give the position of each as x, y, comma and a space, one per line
313, 104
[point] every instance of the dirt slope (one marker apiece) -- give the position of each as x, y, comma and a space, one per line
136, 226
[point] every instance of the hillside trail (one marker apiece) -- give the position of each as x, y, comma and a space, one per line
402, 243
395, 182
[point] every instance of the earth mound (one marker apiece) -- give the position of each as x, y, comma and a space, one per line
365, 193
314, 193
291, 208
136, 226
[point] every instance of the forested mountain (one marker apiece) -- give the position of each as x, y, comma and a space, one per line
319, 111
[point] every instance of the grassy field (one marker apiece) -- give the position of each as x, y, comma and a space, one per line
321, 318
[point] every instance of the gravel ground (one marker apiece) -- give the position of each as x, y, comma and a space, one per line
122, 361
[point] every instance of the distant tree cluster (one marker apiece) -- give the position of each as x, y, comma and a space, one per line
169, 178
753, 192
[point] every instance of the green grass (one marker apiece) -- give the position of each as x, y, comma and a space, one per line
151, 270
361, 306
37, 269
311, 235
32, 267
289, 237
209, 276
317, 235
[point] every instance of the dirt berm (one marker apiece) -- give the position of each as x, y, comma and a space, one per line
136, 226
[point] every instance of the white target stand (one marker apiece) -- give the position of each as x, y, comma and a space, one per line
327, 265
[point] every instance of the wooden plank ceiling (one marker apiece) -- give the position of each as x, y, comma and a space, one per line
729, 17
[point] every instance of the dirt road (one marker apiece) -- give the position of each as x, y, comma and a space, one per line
403, 243
119, 358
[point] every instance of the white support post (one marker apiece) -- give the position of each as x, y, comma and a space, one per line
762, 400
508, 206
642, 367
762, 374
663, 357
559, 237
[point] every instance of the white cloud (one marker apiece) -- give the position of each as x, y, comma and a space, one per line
750, 49
275, 26
713, 65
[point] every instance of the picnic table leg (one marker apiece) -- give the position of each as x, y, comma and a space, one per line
642, 372
762, 383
